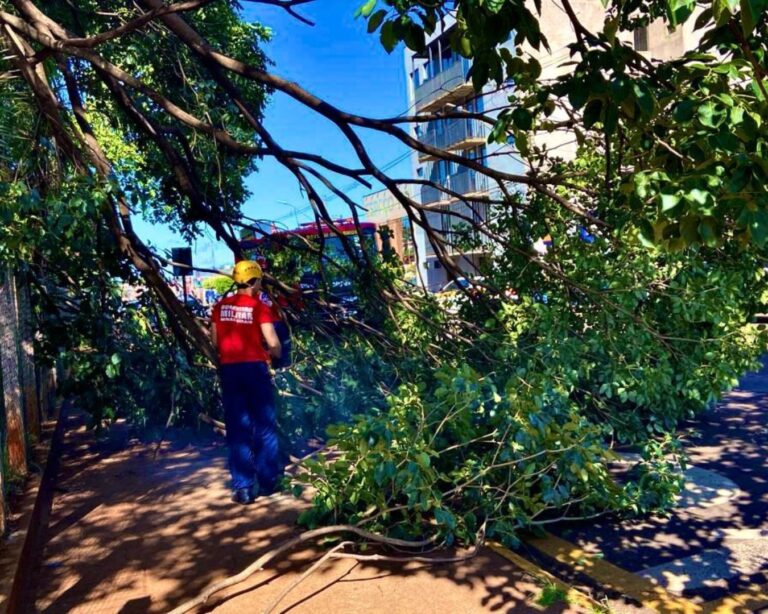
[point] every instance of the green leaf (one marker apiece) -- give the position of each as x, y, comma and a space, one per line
592, 112
494, 6
703, 20
750, 15
375, 21
422, 458
689, 228
414, 38
646, 233
679, 10
611, 119
522, 118
445, 517
723, 9
707, 114
683, 111
698, 197
366, 9
669, 201
388, 37
645, 98
578, 95
621, 87
758, 227
727, 141
708, 230
479, 73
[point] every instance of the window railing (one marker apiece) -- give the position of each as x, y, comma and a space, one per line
453, 132
460, 236
445, 81
464, 182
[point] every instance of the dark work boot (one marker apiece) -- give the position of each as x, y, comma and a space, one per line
243, 496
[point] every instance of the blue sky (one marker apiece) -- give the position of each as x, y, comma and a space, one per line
340, 62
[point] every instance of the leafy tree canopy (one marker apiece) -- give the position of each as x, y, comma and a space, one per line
684, 139
515, 407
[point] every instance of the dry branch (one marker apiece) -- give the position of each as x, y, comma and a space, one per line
307, 536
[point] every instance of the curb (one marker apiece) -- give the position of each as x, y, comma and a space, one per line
573, 595
608, 577
34, 528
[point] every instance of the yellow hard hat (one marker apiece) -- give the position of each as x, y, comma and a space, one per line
245, 271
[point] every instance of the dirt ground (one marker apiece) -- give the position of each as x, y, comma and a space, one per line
129, 533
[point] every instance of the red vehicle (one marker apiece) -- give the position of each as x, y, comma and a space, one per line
260, 245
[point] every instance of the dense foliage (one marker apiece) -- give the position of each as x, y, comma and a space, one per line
687, 132
522, 403
567, 401
123, 358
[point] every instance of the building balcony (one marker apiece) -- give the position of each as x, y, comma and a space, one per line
460, 237
454, 135
466, 183
450, 85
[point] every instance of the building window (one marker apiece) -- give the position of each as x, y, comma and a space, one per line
448, 56
479, 212
641, 39
475, 153
474, 105
446, 223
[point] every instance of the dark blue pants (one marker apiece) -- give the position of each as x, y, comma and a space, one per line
249, 413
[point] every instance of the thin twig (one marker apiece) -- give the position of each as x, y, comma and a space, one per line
307, 536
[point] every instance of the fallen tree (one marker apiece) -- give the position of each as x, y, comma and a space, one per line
509, 409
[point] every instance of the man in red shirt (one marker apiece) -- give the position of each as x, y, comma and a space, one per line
241, 328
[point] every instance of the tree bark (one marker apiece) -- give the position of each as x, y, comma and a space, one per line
29, 384
15, 441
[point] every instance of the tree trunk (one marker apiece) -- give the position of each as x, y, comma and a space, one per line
27, 357
46, 376
15, 442
2, 501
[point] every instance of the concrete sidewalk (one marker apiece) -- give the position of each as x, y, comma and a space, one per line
711, 553
131, 534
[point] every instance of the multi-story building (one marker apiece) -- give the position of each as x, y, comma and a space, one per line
384, 210
654, 41
438, 81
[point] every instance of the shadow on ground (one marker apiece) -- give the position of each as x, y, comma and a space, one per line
129, 533
716, 542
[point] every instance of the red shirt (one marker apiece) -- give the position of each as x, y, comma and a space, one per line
238, 320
